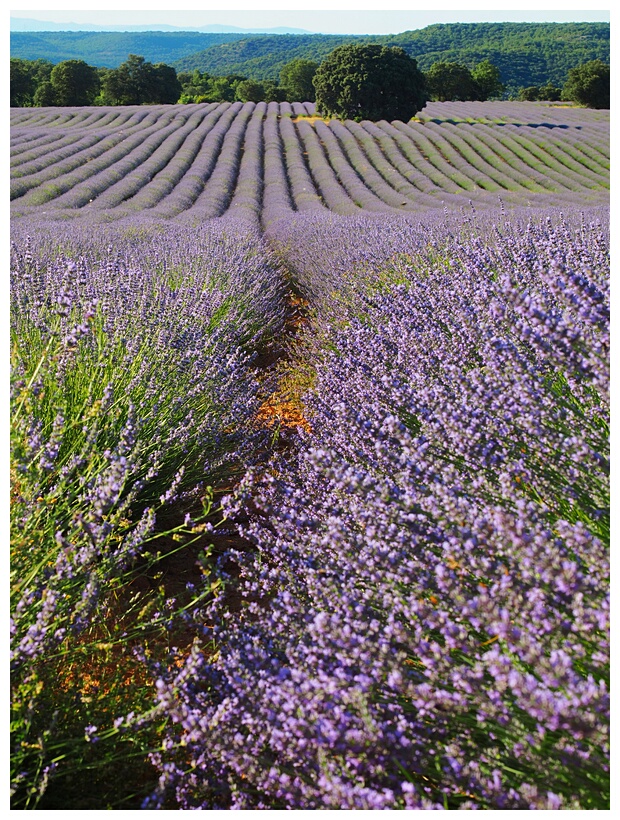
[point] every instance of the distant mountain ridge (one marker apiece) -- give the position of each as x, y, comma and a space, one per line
29, 24
526, 53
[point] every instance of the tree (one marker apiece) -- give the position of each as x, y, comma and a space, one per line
529, 94
74, 82
45, 95
451, 81
369, 82
26, 76
296, 79
136, 82
165, 87
273, 92
550, 92
486, 77
250, 91
194, 86
546, 93
23, 85
588, 84
221, 89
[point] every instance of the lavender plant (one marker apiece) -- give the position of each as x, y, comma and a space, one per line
426, 621
133, 391
305, 194
277, 198
193, 182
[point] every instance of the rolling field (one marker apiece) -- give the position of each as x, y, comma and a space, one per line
264, 161
310, 458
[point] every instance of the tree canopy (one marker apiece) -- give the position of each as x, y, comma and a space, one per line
547, 92
136, 82
588, 84
487, 78
74, 82
296, 80
369, 82
453, 81
450, 81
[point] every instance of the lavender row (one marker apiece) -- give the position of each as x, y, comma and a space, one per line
514, 165
476, 144
152, 179
385, 158
111, 160
192, 183
216, 195
344, 167
332, 190
534, 114
45, 172
100, 122
246, 202
305, 193
277, 197
133, 391
360, 189
50, 152
426, 622
349, 150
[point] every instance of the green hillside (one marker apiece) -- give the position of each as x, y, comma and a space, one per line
526, 53
108, 49
263, 58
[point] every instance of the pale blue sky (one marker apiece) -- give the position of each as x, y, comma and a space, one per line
350, 18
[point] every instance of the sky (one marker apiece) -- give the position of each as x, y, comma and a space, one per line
348, 18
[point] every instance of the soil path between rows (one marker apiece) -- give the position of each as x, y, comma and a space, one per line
281, 413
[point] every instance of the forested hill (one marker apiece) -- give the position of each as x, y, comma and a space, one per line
526, 53
108, 49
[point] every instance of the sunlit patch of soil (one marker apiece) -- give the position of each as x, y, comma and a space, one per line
280, 412
310, 118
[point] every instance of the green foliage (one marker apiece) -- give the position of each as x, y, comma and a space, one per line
296, 78
588, 84
547, 92
369, 82
450, 81
250, 91
487, 78
74, 83
550, 92
45, 95
525, 53
88, 673
165, 87
136, 82
22, 84
26, 76
262, 57
273, 92
108, 49
529, 94
453, 81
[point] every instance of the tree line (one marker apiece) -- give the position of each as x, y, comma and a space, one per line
137, 82
527, 54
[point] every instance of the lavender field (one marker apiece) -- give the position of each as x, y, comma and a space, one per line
310, 458
265, 161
